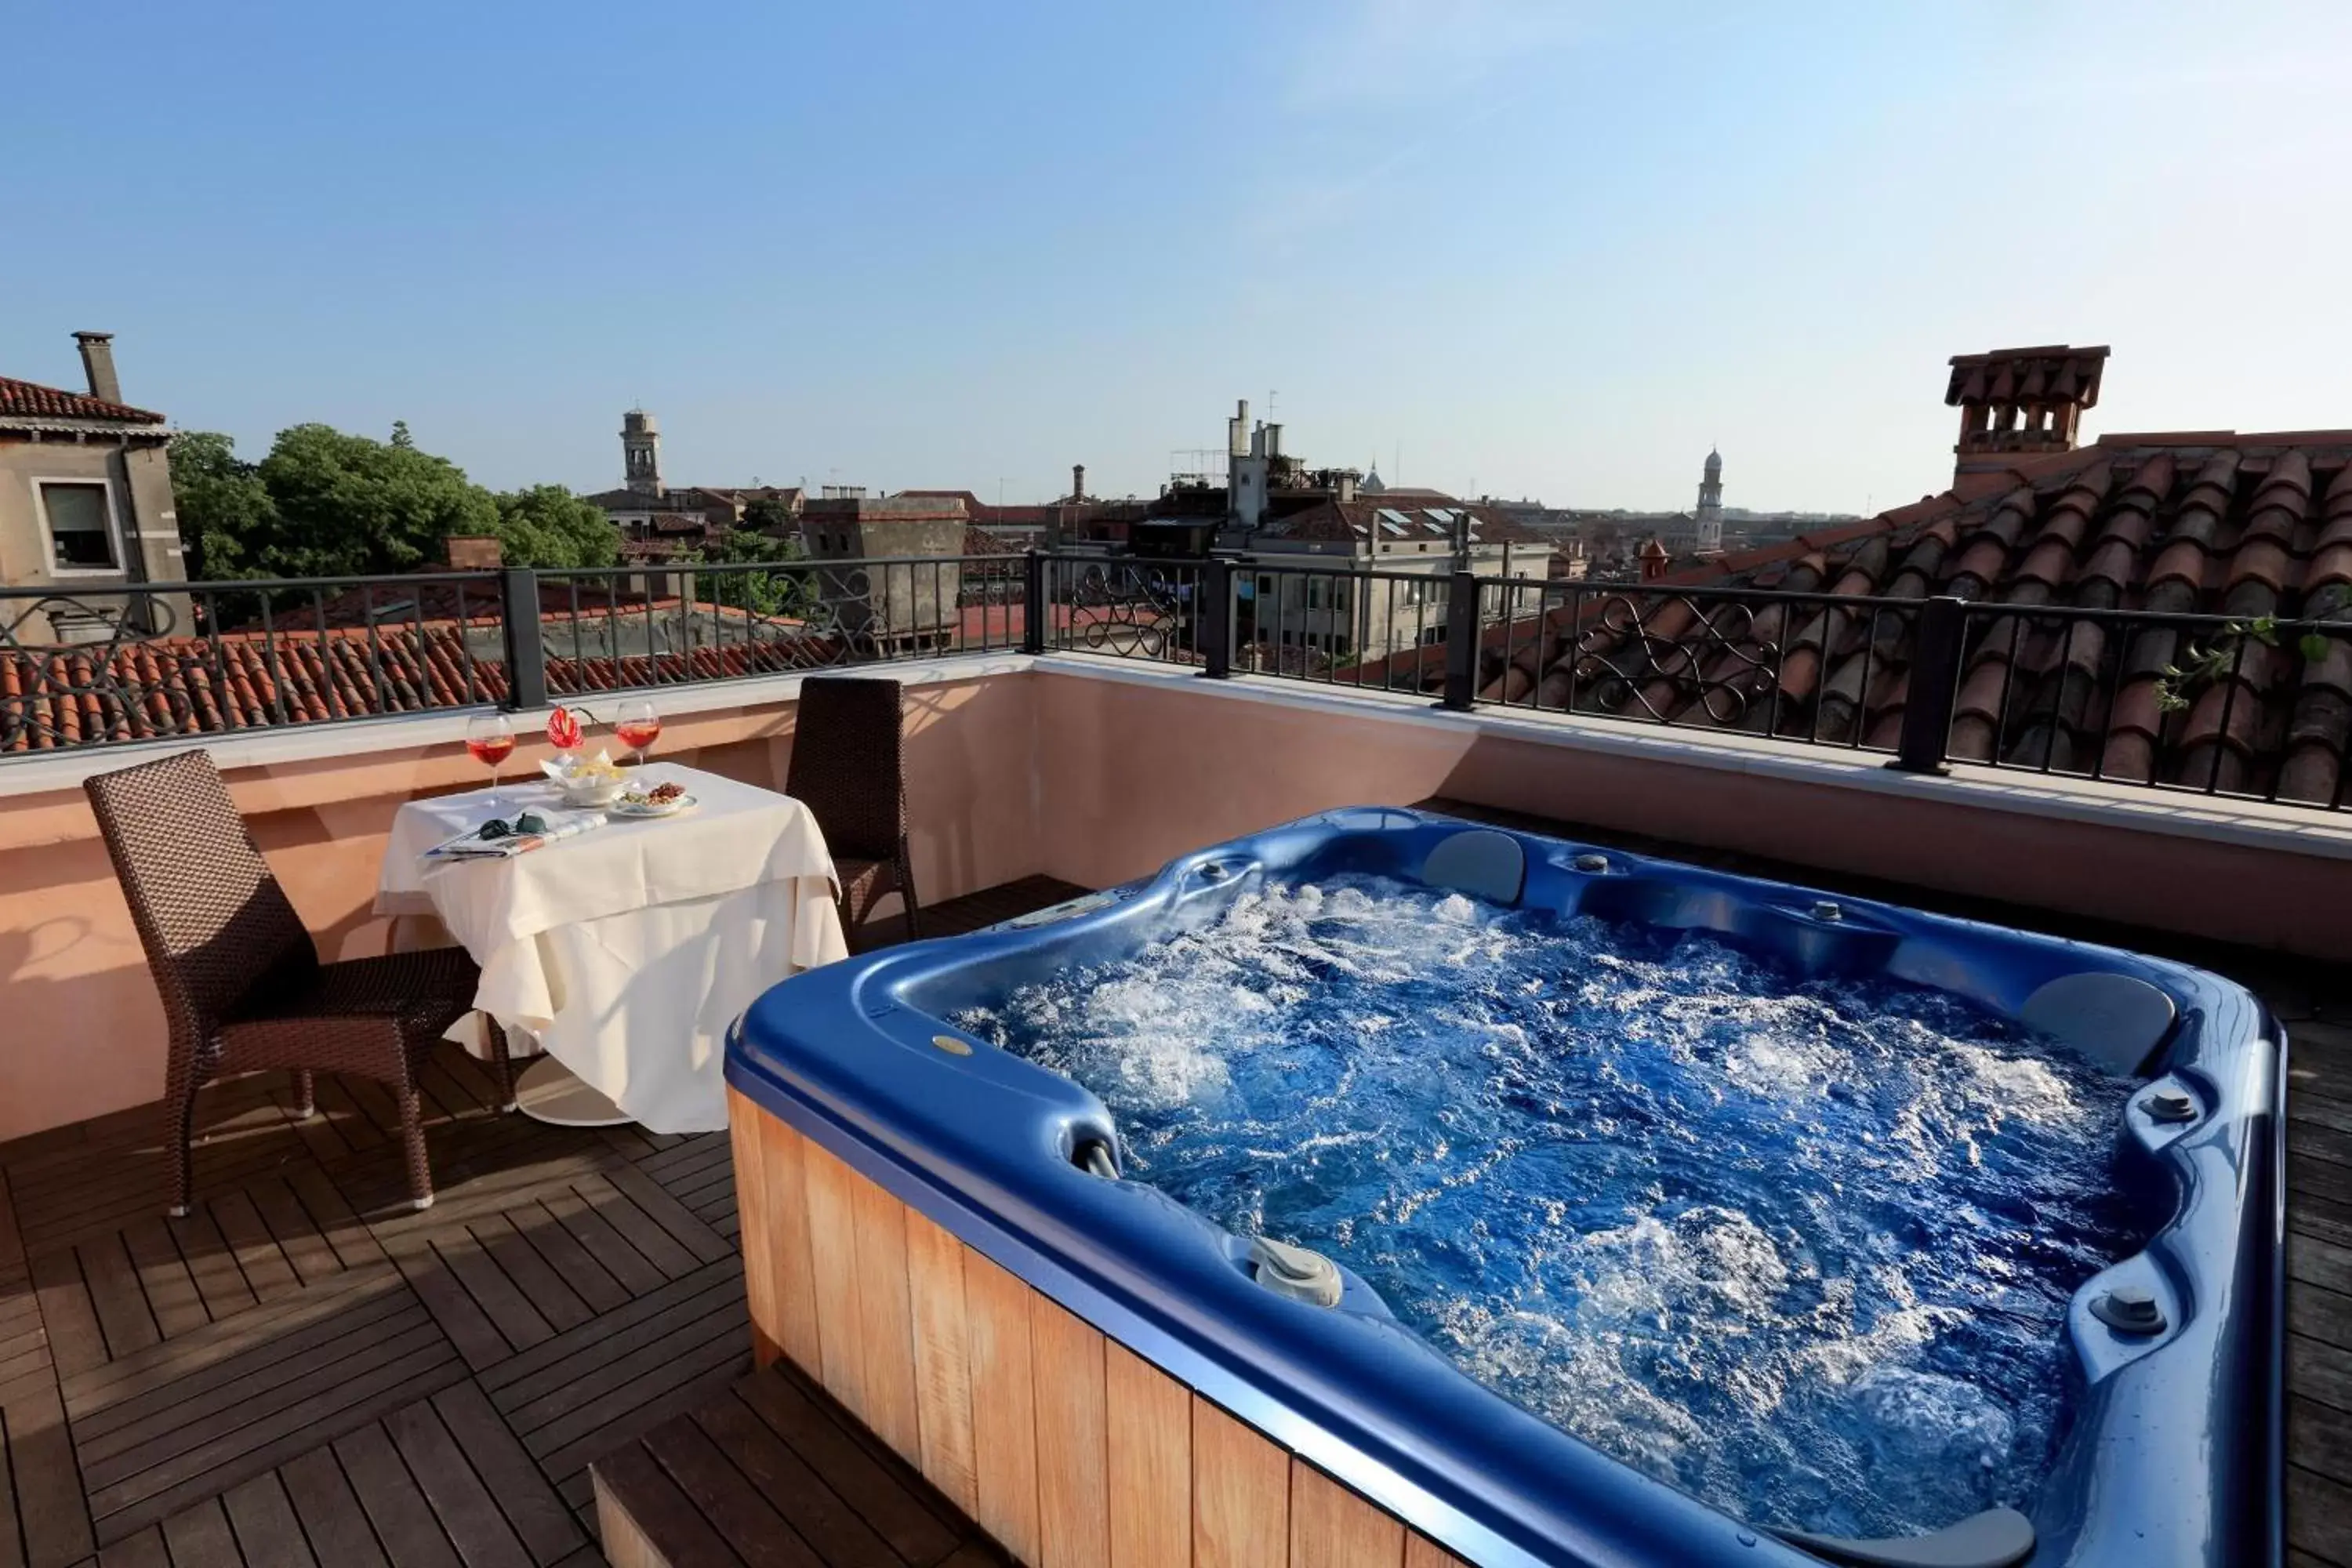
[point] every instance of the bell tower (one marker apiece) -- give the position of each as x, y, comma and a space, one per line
641, 452
1708, 519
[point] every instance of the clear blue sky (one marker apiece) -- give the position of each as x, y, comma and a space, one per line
1551, 249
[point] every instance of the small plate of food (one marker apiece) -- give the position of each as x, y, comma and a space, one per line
659, 800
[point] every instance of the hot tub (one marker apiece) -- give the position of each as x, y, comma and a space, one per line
962, 1245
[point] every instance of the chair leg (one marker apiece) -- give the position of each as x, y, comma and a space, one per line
848, 926
306, 1096
179, 1129
907, 892
412, 1138
501, 1064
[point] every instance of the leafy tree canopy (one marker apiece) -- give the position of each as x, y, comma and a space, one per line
761, 593
547, 525
768, 514
347, 504
324, 504
225, 510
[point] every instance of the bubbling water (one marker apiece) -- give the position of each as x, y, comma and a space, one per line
1802, 1248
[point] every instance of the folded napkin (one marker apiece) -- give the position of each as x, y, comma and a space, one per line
471, 845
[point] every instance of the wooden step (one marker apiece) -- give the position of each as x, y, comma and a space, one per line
772, 1471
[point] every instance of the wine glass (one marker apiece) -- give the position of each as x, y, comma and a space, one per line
490, 738
638, 726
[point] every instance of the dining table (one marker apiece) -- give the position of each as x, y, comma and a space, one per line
621, 948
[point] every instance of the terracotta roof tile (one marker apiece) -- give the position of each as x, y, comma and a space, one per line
2218, 525
30, 400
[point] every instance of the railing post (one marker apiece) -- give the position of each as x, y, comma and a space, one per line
1034, 609
519, 619
1461, 641
1214, 617
1935, 685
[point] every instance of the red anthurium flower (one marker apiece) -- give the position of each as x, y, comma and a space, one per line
564, 731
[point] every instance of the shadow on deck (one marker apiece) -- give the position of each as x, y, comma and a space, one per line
303, 1371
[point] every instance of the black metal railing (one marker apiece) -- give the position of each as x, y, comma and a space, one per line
626, 627
2249, 707
2243, 707
1129, 606
1381, 630
1821, 668
98, 667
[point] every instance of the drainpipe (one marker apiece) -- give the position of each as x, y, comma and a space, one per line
134, 543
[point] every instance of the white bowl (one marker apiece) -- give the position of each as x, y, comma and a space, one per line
591, 791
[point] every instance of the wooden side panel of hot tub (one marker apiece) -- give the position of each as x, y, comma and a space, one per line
1070, 1448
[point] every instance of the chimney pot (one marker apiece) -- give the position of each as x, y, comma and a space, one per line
98, 365
474, 552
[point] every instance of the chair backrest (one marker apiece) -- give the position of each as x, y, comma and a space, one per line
209, 910
846, 765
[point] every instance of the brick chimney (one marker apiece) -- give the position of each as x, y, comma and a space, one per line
1077, 482
2022, 402
475, 552
98, 365
1654, 561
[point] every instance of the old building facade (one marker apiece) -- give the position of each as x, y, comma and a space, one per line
84, 508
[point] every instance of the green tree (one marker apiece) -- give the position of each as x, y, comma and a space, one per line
348, 505
770, 515
547, 525
225, 511
761, 593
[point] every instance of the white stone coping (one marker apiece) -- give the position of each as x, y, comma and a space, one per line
2284, 829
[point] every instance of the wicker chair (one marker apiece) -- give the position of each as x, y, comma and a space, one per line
849, 771
241, 982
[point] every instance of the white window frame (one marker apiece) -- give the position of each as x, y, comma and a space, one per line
122, 567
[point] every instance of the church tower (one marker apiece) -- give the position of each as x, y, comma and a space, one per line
641, 452
1710, 506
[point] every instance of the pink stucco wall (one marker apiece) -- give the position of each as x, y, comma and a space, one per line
1148, 772
1098, 780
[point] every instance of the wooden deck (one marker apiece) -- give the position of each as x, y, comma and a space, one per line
304, 1370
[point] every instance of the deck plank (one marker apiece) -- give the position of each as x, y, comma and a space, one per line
266, 1530
330, 1510
459, 1501
220, 1283
394, 1506
537, 1515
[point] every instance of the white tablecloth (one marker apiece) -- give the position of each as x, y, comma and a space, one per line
629, 951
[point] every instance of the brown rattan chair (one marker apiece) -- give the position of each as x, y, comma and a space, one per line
241, 981
849, 770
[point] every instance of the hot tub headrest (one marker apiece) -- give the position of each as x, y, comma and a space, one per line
2115, 1019
1480, 862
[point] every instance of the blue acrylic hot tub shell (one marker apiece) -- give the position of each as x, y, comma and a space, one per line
2175, 1451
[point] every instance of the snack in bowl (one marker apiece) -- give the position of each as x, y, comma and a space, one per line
593, 782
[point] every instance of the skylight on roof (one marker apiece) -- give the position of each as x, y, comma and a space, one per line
1390, 514
1443, 514
1437, 528
1395, 529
